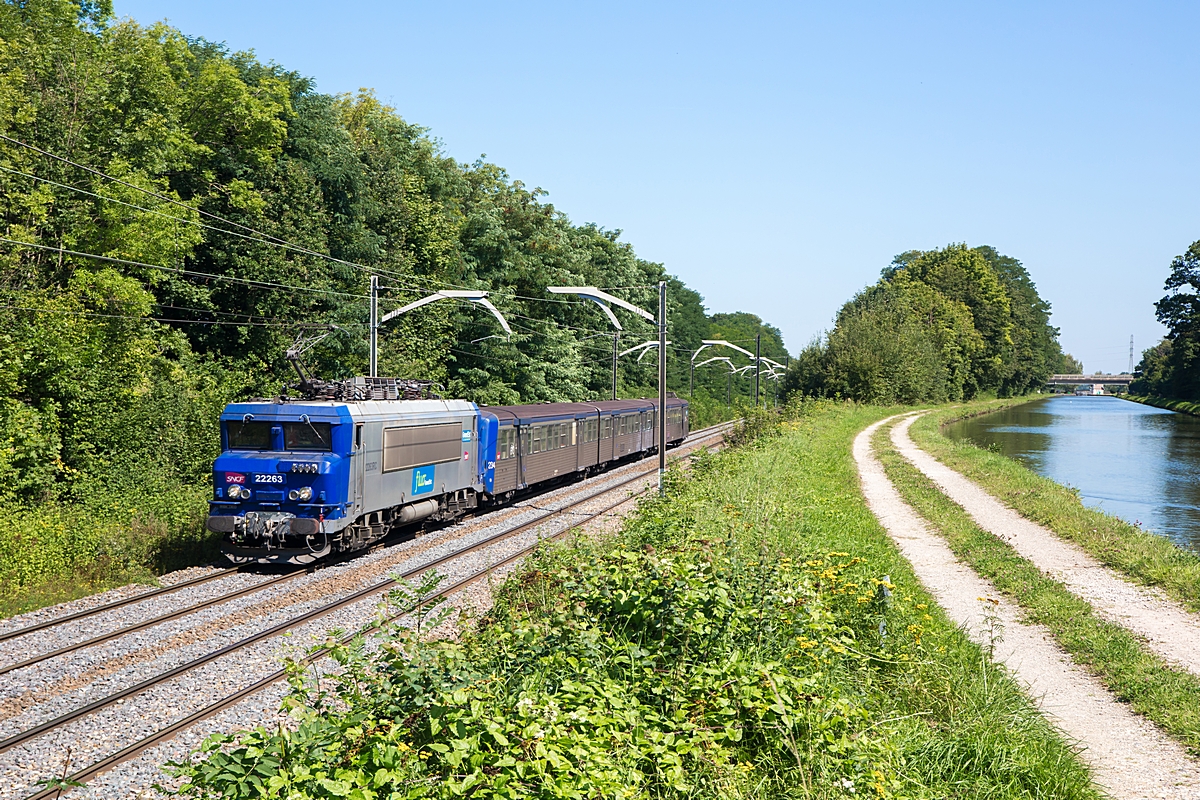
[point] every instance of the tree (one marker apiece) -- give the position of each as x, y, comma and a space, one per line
1172, 368
939, 325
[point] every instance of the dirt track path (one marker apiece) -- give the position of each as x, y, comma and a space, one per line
1169, 630
1132, 759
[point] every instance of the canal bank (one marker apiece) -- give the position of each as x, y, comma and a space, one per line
1148, 558
1182, 406
1137, 462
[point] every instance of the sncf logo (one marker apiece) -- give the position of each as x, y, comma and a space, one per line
422, 480
234, 477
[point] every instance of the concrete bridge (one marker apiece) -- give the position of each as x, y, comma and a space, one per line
1075, 380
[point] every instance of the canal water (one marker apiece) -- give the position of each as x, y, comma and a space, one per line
1139, 463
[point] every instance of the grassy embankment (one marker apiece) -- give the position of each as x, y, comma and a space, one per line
1182, 406
737, 639
1168, 696
1145, 557
55, 553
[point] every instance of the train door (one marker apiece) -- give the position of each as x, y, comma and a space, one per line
523, 443
574, 434
359, 467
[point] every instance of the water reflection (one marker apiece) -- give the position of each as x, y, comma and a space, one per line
1139, 463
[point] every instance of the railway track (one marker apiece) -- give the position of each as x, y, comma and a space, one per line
60, 724
124, 630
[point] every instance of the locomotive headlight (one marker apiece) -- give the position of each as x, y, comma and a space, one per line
303, 495
236, 492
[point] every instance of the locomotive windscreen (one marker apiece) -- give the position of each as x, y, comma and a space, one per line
307, 436
249, 435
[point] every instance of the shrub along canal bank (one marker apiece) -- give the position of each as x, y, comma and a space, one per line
1144, 557
753, 633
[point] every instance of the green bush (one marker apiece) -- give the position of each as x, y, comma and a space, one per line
686, 671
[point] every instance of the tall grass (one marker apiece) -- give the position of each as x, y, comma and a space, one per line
54, 553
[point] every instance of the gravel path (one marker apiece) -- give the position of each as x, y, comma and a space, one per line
41, 692
1131, 758
1167, 628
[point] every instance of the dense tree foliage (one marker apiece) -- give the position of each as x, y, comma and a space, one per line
1172, 367
231, 202
939, 325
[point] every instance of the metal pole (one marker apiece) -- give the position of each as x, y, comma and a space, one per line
661, 418
757, 364
729, 389
616, 340
374, 358
691, 378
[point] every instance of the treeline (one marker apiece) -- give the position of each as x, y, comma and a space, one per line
233, 203
939, 325
1171, 368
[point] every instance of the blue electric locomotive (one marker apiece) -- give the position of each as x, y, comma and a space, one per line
299, 479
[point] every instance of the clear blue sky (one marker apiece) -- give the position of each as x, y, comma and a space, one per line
776, 156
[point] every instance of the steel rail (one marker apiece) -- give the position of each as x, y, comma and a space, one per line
137, 598
132, 751
137, 626
34, 732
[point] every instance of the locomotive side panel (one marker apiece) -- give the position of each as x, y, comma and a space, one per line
417, 457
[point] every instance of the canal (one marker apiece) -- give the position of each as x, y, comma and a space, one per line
1139, 463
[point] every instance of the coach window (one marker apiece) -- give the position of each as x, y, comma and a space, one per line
506, 444
358, 436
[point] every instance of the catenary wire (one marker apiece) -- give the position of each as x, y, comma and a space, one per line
277, 241
257, 235
181, 271
139, 318
186, 221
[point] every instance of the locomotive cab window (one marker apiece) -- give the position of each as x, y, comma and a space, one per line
249, 435
308, 436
